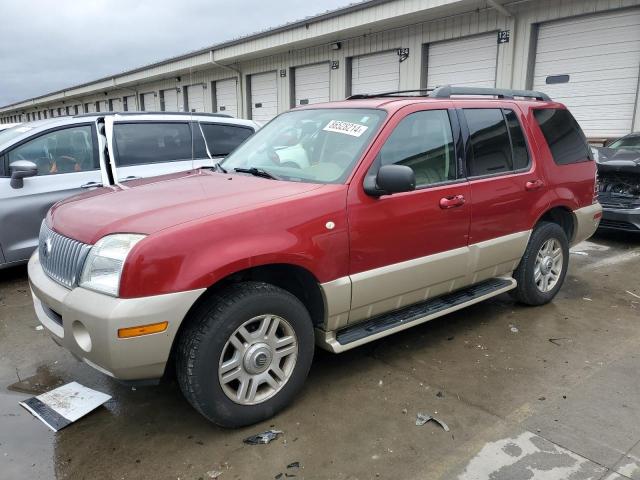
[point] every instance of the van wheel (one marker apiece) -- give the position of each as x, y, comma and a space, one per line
543, 266
245, 353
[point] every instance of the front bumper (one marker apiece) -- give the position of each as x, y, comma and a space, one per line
86, 323
625, 219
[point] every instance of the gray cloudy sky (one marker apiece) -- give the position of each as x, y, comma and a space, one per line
48, 45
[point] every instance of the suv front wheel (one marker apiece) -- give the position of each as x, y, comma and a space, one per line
543, 266
245, 353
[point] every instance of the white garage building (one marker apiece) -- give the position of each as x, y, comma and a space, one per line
585, 53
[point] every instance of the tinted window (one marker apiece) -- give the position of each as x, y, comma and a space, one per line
424, 142
62, 151
139, 143
490, 146
518, 143
563, 134
223, 139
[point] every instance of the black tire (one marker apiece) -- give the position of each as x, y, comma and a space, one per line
527, 291
210, 326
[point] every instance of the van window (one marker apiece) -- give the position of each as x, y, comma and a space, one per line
62, 151
140, 143
518, 142
424, 142
223, 139
563, 134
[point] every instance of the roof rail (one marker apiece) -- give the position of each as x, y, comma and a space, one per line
447, 91
129, 113
359, 96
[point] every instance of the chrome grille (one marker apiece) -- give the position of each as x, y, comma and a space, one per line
61, 257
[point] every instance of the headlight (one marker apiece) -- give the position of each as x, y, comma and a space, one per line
103, 266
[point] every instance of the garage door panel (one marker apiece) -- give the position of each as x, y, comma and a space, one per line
195, 97
311, 83
264, 96
467, 62
227, 97
600, 53
379, 72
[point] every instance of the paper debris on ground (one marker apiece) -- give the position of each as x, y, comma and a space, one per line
423, 418
64, 405
263, 438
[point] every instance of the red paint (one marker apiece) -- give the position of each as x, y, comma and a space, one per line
203, 226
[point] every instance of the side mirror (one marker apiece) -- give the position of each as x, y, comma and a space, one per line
391, 179
21, 169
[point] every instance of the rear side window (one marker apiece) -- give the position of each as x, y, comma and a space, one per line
223, 139
140, 143
497, 142
563, 134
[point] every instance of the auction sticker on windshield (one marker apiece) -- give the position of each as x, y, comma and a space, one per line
348, 128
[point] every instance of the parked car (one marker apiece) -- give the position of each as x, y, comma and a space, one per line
45, 161
389, 212
619, 183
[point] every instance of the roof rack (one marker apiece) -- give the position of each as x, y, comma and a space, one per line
447, 91
360, 96
195, 114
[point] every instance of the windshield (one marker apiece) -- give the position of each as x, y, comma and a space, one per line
13, 132
631, 142
318, 146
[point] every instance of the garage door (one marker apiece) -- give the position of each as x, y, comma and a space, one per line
170, 100
227, 97
264, 97
591, 64
375, 73
312, 84
148, 102
469, 62
129, 104
116, 105
195, 98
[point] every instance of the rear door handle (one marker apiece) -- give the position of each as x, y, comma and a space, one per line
533, 185
451, 201
91, 185
131, 177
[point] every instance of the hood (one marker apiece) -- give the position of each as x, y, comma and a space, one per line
617, 160
150, 205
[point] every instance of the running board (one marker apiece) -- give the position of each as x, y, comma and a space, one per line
388, 323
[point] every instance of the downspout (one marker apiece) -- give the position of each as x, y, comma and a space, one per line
237, 72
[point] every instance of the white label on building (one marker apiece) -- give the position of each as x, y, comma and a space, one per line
348, 128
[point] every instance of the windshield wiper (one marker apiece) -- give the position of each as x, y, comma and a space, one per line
257, 172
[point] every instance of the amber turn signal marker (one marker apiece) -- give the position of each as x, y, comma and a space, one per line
130, 332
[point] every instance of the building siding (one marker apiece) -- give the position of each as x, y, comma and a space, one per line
378, 28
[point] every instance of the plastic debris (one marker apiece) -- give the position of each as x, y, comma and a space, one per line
587, 299
214, 474
263, 438
632, 294
423, 418
585, 254
514, 329
40, 327
294, 465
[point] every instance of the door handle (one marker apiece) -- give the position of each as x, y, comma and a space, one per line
532, 185
91, 185
451, 201
131, 177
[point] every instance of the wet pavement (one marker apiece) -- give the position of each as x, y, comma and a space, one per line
528, 393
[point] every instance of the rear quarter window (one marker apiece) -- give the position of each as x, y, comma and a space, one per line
223, 139
141, 143
563, 134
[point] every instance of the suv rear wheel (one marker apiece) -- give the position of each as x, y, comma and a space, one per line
543, 266
245, 353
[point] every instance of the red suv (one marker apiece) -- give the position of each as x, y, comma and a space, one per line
335, 224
